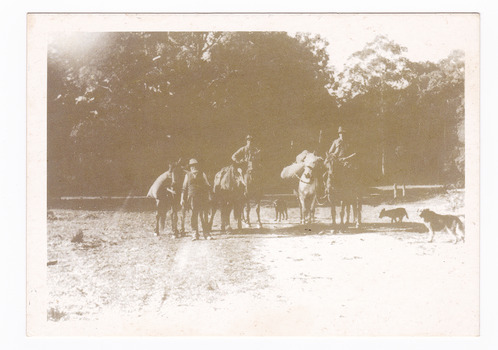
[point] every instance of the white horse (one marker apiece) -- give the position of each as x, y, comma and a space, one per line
308, 187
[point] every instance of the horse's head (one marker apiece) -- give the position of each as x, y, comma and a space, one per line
312, 166
177, 172
312, 161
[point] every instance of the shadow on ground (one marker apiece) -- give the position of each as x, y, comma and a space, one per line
322, 228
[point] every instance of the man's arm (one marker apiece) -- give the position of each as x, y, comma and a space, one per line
237, 156
332, 149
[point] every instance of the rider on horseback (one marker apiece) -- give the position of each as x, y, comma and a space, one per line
247, 153
340, 154
246, 156
249, 156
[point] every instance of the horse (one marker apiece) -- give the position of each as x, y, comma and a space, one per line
227, 195
252, 189
342, 185
308, 187
166, 191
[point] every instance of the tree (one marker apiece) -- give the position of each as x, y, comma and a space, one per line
124, 107
380, 69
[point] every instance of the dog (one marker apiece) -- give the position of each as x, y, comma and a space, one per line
280, 209
436, 222
396, 215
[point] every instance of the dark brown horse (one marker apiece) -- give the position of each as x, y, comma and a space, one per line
252, 184
343, 187
166, 191
228, 195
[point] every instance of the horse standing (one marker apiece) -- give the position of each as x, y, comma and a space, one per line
308, 187
166, 191
343, 186
228, 195
252, 180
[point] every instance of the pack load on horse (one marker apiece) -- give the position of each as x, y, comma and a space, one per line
195, 197
342, 180
296, 169
249, 157
166, 191
307, 169
228, 195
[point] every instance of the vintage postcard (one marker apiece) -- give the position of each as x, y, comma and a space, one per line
253, 175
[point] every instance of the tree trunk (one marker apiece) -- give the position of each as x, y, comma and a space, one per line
383, 161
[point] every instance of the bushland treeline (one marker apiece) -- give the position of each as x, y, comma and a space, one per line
120, 106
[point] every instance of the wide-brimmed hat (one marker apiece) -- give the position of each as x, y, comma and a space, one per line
193, 162
341, 130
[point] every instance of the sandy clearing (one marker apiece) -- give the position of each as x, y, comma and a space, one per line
380, 280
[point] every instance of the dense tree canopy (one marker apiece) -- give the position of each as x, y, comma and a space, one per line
121, 105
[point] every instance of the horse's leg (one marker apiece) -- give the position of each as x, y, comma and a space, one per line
300, 209
332, 209
162, 223
230, 208
174, 220
258, 208
237, 211
214, 209
158, 218
358, 215
225, 216
248, 211
306, 210
312, 210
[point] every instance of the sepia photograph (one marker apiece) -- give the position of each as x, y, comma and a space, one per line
253, 175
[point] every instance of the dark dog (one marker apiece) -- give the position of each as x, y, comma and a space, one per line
396, 215
437, 222
280, 209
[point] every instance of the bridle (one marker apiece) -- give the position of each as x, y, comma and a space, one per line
308, 175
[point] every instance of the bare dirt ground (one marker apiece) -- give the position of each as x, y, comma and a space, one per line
284, 279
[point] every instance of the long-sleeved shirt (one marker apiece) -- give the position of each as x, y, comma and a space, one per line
340, 148
245, 154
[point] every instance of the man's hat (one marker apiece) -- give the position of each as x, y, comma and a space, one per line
341, 130
249, 137
193, 162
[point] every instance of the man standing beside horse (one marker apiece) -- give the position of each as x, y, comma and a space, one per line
195, 196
